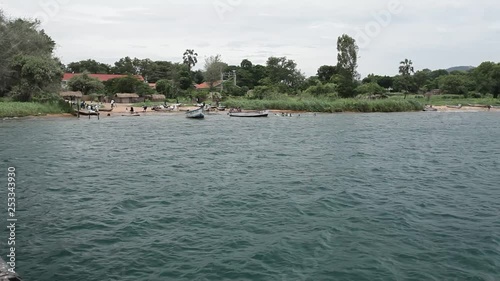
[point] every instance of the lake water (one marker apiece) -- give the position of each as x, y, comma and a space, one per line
410, 196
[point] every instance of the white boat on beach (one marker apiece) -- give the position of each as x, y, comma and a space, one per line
264, 113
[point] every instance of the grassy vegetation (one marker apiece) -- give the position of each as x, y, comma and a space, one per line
441, 100
326, 105
436, 100
395, 103
22, 109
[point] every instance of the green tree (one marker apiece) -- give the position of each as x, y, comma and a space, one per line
386, 82
89, 65
347, 64
162, 70
198, 77
19, 37
260, 92
35, 75
143, 89
164, 87
406, 70
433, 81
404, 84
190, 58
347, 58
422, 78
284, 75
258, 74
185, 83
326, 72
345, 85
125, 66
310, 82
453, 84
495, 77
322, 89
146, 68
371, 78
371, 88
483, 77
214, 66
246, 64
85, 84
128, 84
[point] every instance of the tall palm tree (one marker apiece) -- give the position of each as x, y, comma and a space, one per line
406, 70
190, 58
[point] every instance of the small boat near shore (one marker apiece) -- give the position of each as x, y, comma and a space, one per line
196, 114
454, 106
250, 114
430, 108
479, 105
88, 112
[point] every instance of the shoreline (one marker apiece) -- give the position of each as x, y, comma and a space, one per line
123, 109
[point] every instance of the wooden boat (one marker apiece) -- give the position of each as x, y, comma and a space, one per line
88, 112
132, 115
196, 114
453, 106
250, 114
163, 109
478, 105
6, 274
428, 108
105, 109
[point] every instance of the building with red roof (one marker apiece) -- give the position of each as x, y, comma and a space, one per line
206, 85
101, 77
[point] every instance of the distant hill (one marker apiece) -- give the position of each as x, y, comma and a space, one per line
460, 68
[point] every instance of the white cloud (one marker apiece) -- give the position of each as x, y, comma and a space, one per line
434, 34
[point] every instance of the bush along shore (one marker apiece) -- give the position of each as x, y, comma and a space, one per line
328, 106
23, 109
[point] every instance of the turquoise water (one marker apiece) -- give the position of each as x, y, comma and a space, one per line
412, 196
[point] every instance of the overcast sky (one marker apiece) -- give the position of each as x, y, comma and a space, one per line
433, 33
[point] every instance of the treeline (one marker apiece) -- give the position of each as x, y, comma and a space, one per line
477, 82
28, 69
280, 75
30, 72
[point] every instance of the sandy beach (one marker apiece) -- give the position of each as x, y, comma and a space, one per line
125, 108
465, 109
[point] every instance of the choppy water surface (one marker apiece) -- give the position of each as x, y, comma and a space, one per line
413, 196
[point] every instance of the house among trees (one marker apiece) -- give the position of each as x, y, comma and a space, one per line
206, 85
71, 95
101, 77
156, 98
128, 98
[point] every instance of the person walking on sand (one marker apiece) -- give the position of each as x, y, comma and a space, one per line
131, 110
145, 107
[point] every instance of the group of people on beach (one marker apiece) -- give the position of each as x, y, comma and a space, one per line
91, 106
144, 107
238, 109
